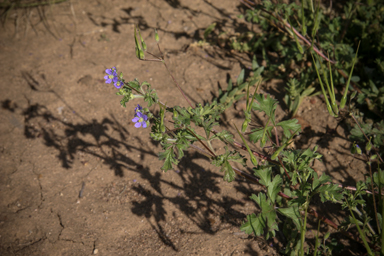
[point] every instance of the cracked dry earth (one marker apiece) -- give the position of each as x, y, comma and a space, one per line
77, 178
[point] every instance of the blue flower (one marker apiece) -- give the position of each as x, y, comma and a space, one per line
118, 84
138, 108
140, 120
111, 76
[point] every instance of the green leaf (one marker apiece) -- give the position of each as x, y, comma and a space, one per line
257, 134
265, 221
169, 156
223, 136
240, 78
274, 186
356, 133
265, 104
135, 84
289, 125
378, 178
330, 192
319, 181
151, 97
292, 213
264, 173
229, 174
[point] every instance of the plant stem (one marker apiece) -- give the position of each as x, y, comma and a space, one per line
382, 227
304, 227
317, 239
373, 197
362, 236
210, 146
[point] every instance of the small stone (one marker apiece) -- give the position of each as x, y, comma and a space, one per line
95, 251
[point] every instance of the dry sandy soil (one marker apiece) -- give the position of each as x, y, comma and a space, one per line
77, 178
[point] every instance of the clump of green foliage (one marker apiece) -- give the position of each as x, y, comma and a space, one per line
290, 182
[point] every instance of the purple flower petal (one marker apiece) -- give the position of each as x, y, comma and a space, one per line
136, 119
144, 124
137, 125
138, 108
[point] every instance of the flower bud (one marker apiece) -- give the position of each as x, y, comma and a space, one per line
358, 150
156, 36
373, 157
368, 147
244, 126
254, 160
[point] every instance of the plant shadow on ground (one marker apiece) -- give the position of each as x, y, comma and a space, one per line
199, 192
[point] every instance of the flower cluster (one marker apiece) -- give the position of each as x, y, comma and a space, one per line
140, 119
113, 77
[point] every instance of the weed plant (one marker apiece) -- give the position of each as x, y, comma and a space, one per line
290, 182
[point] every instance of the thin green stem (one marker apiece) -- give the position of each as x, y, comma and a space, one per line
317, 239
362, 236
210, 146
373, 196
304, 227
382, 227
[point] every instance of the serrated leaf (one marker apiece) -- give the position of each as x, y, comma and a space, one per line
134, 84
274, 188
289, 125
224, 136
229, 173
292, 213
169, 156
265, 221
257, 134
319, 181
264, 173
265, 104
330, 192
252, 225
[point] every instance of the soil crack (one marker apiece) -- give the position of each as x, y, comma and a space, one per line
30, 244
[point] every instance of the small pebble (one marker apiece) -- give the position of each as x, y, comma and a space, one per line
95, 251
